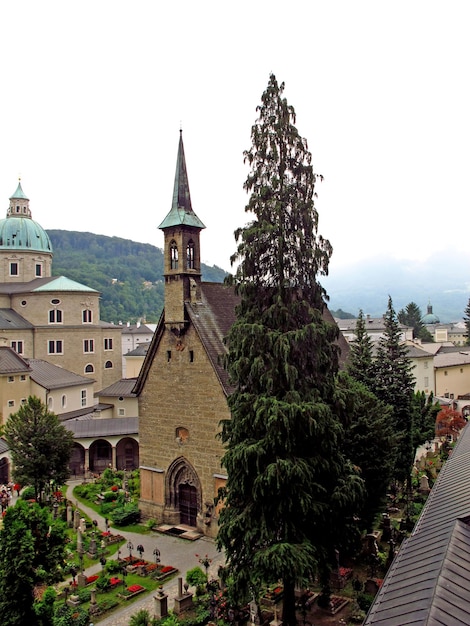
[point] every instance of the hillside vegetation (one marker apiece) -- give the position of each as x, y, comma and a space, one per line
128, 274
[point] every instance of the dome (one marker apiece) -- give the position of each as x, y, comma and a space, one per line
430, 317
18, 231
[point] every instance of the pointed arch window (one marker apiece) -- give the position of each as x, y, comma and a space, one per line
173, 255
190, 254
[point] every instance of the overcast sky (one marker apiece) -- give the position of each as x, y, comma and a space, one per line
94, 94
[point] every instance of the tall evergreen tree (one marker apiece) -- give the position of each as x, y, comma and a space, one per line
40, 446
466, 319
370, 442
290, 489
360, 361
394, 385
412, 316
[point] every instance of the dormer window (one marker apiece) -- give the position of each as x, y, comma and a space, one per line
190, 254
173, 255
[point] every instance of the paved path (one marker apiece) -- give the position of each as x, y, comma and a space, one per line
180, 553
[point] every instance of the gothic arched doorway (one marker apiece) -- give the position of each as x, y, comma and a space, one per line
183, 491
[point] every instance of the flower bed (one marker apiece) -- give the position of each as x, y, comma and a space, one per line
131, 591
114, 581
91, 579
337, 603
165, 571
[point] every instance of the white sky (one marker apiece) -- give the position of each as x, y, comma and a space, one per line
94, 92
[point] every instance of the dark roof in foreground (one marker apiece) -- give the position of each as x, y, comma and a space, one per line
428, 583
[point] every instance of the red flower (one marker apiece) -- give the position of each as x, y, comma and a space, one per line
114, 488
134, 588
91, 579
167, 568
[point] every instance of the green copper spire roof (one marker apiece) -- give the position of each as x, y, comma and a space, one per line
19, 193
181, 212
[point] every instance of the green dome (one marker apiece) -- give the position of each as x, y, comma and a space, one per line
23, 233
18, 231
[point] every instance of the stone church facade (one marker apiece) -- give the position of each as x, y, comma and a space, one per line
183, 387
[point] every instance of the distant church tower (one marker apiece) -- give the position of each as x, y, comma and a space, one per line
25, 247
182, 252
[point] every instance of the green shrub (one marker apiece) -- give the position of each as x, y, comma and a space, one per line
84, 595
124, 516
196, 577
107, 604
28, 493
113, 567
364, 600
102, 582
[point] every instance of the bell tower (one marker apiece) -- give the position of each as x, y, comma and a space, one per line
182, 253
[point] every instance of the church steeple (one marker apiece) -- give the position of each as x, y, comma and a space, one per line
181, 211
182, 262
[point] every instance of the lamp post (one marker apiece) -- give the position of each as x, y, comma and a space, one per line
130, 547
140, 550
124, 574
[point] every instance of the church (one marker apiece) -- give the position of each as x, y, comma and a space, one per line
50, 318
183, 387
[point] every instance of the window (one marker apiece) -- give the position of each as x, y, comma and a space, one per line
445, 373
88, 345
55, 316
191, 356
23, 401
426, 365
11, 379
50, 403
121, 412
64, 401
23, 377
108, 365
11, 403
89, 369
108, 343
55, 347
17, 346
173, 255
168, 355
38, 269
426, 381
87, 316
190, 254
83, 394
13, 269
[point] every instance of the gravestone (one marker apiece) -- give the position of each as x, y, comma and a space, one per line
161, 604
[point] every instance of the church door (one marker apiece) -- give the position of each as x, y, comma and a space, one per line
188, 504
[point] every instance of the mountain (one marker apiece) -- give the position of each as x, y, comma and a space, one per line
128, 274
130, 277
442, 281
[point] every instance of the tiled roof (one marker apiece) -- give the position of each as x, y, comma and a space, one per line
141, 350
428, 582
415, 352
10, 319
449, 359
134, 329
105, 427
11, 362
85, 412
121, 387
52, 376
3, 446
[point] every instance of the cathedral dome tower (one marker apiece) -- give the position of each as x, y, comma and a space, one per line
25, 247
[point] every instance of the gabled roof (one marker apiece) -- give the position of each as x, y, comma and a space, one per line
121, 387
11, 362
212, 318
52, 376
141, 350
105, 427
428, 582
452, 359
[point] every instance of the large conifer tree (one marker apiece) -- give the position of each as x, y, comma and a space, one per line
394, 385
289, 490
360, 360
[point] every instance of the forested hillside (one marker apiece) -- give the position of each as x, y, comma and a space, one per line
128, 274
